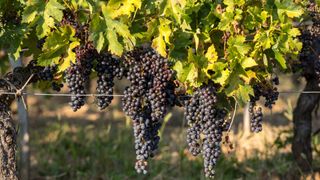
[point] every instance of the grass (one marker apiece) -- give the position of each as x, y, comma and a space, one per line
64, 150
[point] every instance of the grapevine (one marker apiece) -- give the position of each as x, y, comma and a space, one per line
8, 169
203, 55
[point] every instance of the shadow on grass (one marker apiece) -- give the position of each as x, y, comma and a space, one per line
73, 151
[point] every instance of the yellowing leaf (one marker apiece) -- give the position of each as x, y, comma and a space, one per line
159, 44
248, 63
58, 46
294, 32
249, 75
211, 54
163, 37
117, 8
70, 57
196, 40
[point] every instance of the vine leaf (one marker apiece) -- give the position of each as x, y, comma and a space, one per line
289, 8
280, 59
70, 56
243, 93
159, 43
43, 15
182, 71
220, 74
114, 45
115, 29
174, 8
118, 8
211, 54
237, 46
58, 48
248, 63
97, 28
11, 39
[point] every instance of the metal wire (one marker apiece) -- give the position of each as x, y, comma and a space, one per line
121, 95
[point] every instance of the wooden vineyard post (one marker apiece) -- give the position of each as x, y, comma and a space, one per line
246, 120
23, 131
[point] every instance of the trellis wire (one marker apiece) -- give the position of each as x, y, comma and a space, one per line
121, 95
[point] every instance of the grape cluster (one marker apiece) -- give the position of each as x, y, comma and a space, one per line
204, 117
309, 56
75, 81
256, 117
46, 73
78, 74
270, 94
86, 55
107, 68
146, 99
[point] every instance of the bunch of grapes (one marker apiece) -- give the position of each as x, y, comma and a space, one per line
107, 68
309, 56
78, 74
75, 81
205, 118
256, 117
86, 55
146, 99
46, 73
271, 95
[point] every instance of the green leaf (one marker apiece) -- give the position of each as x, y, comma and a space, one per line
43, 15
227, 18
264, 39
280, 59
289, 8
11, 39
243, 93
182, 71
97, 30
237, 45
116, 28
58, 48
114, 46
174, 8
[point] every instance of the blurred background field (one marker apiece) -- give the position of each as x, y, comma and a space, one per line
93, 144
